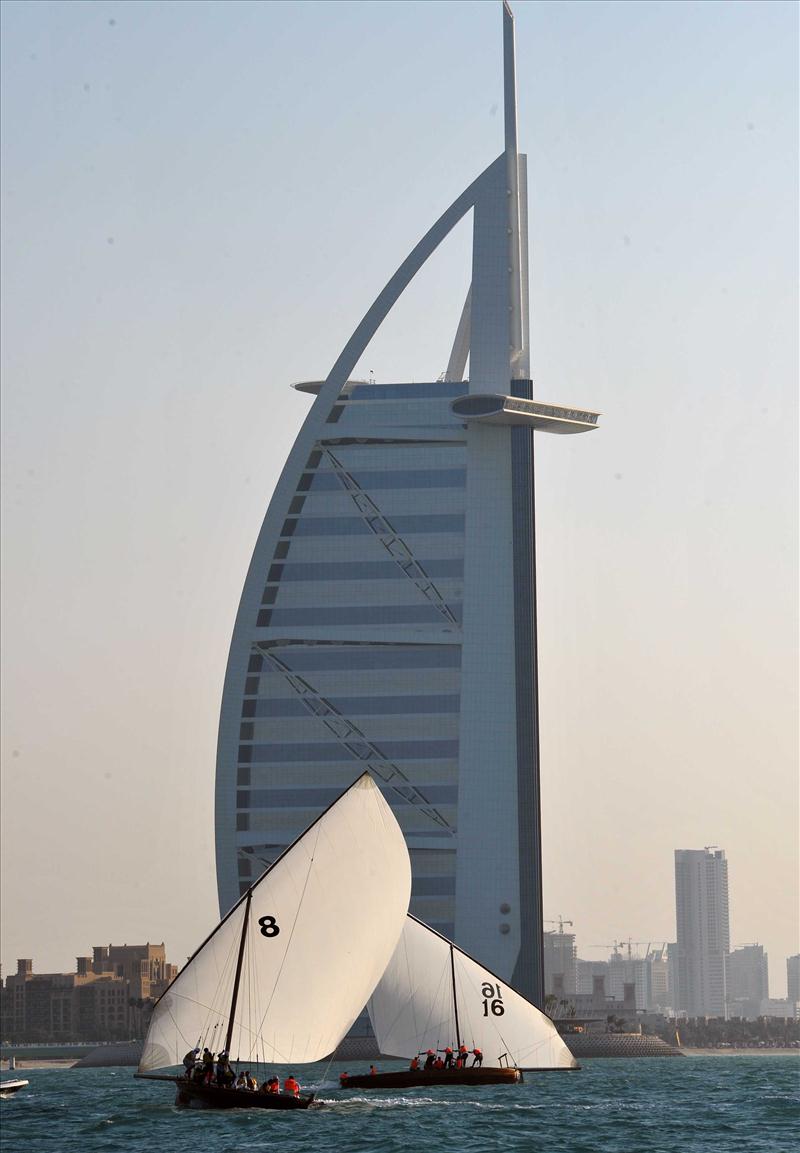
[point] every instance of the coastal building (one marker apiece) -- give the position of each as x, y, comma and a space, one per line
144, 967
388, 617
780, 1007
660, 998
747, 981
626, 969
793, 978
701, 906
560, 978
104, 999
586, 974
597, 1005
631, 970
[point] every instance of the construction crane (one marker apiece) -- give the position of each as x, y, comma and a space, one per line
617, 945
560, 922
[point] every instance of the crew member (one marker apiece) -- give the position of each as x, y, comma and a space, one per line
343, 1079
477, 1058
372, 1070
463, 1053
414, 1063
189, 1061
224, 1072
430, 1057
291, 1086
448, 1057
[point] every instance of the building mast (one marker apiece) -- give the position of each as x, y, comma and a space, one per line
518, 358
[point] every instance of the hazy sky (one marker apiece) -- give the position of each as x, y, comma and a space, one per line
200, 201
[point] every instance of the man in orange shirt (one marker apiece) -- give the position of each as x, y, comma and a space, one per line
291, 1086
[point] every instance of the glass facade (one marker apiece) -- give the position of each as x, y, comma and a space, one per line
354, 651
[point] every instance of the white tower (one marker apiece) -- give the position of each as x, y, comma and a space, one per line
701, 908
388, 619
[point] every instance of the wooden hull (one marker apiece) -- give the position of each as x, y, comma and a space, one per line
196, 1095
434, 1078
199, 1096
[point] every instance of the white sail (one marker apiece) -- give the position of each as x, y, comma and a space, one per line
322, 923
414, 1009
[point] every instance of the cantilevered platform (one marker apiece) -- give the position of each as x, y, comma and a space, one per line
494, 408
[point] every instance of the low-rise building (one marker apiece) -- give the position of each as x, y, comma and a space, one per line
106, 998
779, 1007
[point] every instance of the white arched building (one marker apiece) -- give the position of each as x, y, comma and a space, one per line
388, 618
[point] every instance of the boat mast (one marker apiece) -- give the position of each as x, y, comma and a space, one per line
240, 958
455, 999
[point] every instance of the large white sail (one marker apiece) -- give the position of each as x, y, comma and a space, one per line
433, 995
321, 925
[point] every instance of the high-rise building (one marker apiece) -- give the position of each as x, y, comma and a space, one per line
559, 964
701, 907
747, 981
388, 618
793, 978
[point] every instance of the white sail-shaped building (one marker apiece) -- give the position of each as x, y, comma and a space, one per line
388, 618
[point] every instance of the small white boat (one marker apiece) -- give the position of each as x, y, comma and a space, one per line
8, 1088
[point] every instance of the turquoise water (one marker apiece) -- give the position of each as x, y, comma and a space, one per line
680, 1105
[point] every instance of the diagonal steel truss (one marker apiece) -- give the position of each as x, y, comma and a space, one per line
394, 544
353, 740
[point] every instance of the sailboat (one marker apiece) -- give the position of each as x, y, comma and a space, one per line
434, 997
286, 972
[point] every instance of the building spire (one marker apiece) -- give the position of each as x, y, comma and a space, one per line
517, 325
509, 79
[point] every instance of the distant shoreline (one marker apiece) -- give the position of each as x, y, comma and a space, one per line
744, 1051
64, 1063
40, 1063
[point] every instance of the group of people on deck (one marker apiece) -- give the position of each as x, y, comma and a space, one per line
452, 1059
204, 1070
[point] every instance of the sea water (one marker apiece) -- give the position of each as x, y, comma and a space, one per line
704, 1104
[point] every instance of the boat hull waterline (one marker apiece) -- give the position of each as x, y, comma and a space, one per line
213, 1097
197, 1095
433, 1078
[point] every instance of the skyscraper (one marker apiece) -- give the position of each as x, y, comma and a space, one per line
388, 618
701, 907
